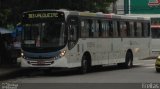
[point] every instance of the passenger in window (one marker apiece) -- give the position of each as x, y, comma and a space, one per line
124, 30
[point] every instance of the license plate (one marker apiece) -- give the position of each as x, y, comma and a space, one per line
40, 62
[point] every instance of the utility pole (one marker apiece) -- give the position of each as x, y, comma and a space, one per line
129, 6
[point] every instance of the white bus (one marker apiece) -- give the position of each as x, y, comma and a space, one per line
71, 39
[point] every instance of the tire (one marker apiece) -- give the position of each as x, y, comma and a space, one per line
85, 66
158, 70
128, 60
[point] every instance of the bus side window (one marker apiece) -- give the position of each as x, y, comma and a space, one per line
96, 30
135, 29
145, 29
110, 28
115, 29
84, 28
100, 28
139, 29
118, 29
148, 29
104, 29
128, 29
131, 29
91, 28
123, 29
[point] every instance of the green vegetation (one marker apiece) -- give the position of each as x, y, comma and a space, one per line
11, 10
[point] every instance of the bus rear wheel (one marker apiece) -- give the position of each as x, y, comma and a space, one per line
128, 60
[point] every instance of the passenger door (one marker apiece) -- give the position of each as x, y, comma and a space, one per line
73, 35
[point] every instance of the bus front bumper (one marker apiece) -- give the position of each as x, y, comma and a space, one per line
61, 62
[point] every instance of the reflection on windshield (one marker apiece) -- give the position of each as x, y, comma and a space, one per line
44, 35
155, 32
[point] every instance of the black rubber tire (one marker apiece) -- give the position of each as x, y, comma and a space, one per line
128, 60
84, 65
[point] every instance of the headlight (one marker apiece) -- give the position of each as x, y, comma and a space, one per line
22, 54
158, 57
62, 53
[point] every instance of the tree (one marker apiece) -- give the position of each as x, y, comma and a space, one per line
11, 10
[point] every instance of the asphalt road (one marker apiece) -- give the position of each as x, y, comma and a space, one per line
143, 72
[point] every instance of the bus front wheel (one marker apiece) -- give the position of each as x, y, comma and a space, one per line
85, 65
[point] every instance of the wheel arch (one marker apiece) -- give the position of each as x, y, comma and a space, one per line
88, 57
130, 51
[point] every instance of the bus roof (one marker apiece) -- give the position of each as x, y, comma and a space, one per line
98, 14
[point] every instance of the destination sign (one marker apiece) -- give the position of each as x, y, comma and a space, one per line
42, 15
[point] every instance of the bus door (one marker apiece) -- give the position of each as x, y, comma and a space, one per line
72, 26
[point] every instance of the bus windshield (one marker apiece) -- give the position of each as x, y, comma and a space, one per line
45, 36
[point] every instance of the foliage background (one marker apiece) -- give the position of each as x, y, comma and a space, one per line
11, 10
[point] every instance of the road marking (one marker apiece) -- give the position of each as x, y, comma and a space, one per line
150, 67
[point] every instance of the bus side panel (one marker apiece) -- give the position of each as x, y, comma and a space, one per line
103, 50
74, 57
140, 47
117, 54
155, 44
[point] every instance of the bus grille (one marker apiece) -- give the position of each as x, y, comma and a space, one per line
39, 57
40, 62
